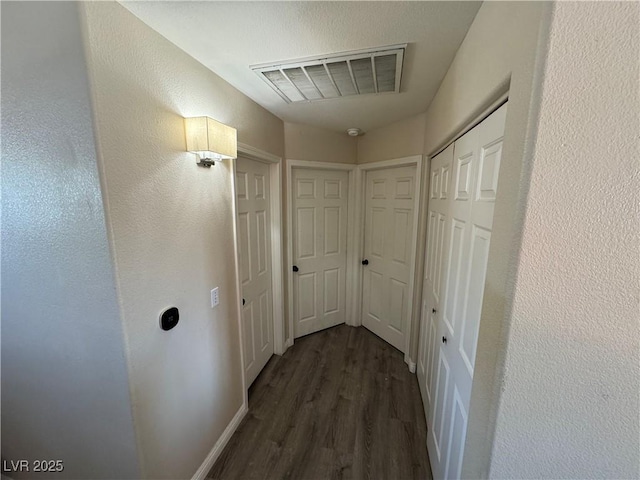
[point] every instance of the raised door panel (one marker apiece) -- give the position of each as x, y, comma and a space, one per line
306, 294
266, 333
397, 305
244, 250
457, 434
432, 351
426, 352
332, 230
332, 288
402, 222
463, 177
431, 246
490, 156
376, 287
444, 181
332, 189
438, 264
248, 335
306, 188
375, 235
306, 227
260, 185
479, 256
242, 185
404, 188
438, 432
262, 242
454, 272
434, 186
379, 189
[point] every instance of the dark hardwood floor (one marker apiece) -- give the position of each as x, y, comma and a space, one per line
340, 403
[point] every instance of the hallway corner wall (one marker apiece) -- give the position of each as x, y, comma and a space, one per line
306, 142
171, 227
400, 139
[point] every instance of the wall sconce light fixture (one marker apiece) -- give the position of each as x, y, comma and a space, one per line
210, 140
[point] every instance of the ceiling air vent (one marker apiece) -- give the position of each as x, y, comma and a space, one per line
375, 70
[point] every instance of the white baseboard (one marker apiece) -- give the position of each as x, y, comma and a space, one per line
412, 366
220, 444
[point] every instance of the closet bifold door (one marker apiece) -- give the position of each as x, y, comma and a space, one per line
463, 187
439, 180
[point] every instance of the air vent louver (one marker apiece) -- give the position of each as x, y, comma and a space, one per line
376, 70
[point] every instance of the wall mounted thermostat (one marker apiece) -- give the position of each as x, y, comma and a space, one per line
169, 318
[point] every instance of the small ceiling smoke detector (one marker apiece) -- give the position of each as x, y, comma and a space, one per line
354, 132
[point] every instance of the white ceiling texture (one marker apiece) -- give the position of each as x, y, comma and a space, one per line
229, 37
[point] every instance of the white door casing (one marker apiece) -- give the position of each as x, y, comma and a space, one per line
463, 186
319, 204
389, 229
255, 263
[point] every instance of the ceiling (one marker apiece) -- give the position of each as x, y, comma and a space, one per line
228, 37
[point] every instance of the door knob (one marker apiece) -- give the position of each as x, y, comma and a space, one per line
295, 268
243, 302
365, 262
444, 339
433, 310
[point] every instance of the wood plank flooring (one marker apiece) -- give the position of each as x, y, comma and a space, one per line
340, 403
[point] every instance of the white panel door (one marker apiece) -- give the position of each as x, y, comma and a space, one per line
460, 221
388, 237
439, 188
254, 238
319, 230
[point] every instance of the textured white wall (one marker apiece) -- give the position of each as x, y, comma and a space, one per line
304, 142
400, 139
65, 393
171, 227
569, 407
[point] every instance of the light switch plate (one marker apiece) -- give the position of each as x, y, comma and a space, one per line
215, 299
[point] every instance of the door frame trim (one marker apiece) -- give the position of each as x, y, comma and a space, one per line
351, 233
275, 204
356, 308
